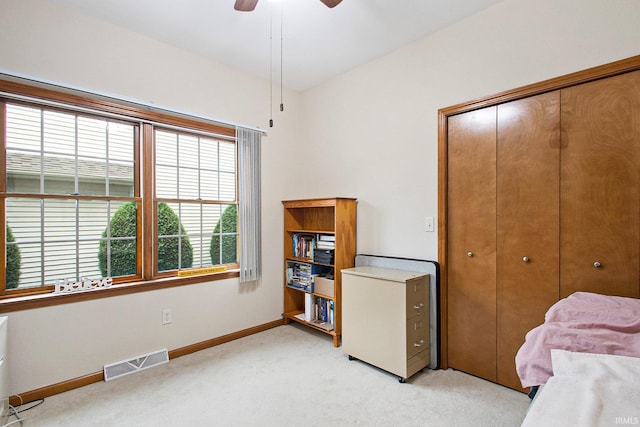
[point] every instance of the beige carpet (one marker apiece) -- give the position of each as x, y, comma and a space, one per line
287, 376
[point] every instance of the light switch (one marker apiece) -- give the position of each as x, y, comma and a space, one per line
428, 223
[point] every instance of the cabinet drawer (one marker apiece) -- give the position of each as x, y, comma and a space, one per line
417, 302
417, 362
417, 335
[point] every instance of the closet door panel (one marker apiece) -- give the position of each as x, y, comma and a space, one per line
471, 251
527, 222
600, 187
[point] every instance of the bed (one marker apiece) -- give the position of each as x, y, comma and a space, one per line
585, 360
588, 389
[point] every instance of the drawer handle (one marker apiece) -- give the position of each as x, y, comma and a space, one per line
597, 264
418, 344
419, 306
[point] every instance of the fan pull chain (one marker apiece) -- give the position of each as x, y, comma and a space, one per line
271, 67
281, 55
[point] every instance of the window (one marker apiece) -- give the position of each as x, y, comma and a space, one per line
196, 187
66, 174
95, 189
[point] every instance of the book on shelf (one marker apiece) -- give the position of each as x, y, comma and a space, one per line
303, 245
324, 325
326, 241
309, 301
301, 275
325, 246
323, 313
318, 312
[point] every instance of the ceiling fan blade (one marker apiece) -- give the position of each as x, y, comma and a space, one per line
331, 3
245, 5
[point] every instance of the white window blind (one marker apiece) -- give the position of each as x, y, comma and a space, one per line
249, 203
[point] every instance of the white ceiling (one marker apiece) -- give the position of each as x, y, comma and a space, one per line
317, 42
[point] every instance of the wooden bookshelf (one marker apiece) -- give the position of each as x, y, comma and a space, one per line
331, 217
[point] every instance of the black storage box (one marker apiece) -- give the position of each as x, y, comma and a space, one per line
323, 256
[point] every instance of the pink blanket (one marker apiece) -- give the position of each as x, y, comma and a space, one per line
582, 322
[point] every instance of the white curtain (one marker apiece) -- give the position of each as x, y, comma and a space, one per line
248, 141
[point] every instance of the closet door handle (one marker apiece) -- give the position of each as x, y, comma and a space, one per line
470, 254
597, 264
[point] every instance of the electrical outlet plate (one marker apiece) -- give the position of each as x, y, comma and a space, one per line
166, 316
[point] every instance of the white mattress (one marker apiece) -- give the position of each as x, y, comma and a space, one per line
588, 389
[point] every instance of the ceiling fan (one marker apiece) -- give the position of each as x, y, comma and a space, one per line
249, 5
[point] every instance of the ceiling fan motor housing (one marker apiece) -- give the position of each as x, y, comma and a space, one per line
249, 5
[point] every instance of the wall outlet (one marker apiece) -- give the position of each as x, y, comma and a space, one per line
166, 316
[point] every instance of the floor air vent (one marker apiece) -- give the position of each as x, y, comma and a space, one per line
137, 364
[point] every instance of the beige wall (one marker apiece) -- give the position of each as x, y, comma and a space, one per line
54, 344
375, 129
379, 122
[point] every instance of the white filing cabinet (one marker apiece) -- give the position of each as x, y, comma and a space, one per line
385, 318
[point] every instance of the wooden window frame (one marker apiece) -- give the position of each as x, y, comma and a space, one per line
156, 200
15, 88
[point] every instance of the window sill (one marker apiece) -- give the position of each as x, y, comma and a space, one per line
50, 299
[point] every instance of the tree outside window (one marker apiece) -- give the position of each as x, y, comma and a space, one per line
224, 242
13, 261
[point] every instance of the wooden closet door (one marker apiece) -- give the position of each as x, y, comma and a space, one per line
600, 187
527, 222
471, 227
